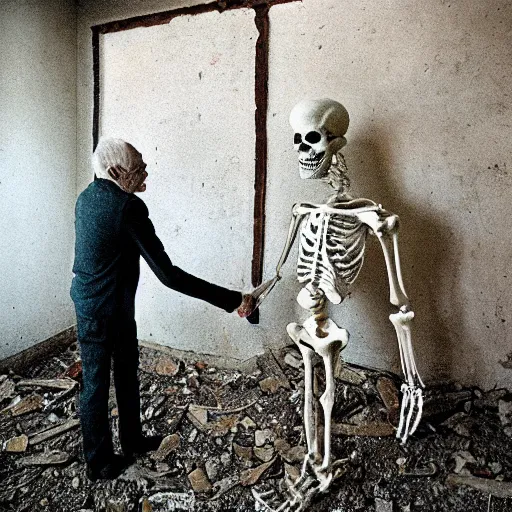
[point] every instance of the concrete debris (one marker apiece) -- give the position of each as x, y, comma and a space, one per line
54, 431
348, 375
53, 458
369, 430
16, 444
198, 416
271, 385
115, 506
25, 405
264, 453
167, 367
168, 502
461, 459
485, 485
490, 399
292, 472
505, 414
389, 395
7, 389
245, 453
252, 476
446, 404
238, 436
263, 436
383, 505
199, 481
294, 361
274, 375
248, 423
168, 445
47, 383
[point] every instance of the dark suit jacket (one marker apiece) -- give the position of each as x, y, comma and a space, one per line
113, 230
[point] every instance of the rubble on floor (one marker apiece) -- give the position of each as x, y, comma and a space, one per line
227, 432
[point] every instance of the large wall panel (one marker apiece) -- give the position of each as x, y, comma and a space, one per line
183, 94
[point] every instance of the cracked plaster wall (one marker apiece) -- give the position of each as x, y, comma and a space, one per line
428, 93
37, 169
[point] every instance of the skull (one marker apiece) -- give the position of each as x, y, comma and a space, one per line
319, 126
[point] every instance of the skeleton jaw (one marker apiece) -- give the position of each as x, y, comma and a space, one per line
314, 166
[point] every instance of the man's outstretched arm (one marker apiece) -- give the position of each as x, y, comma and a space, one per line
138, 225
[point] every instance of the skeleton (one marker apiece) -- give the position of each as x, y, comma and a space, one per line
331, 253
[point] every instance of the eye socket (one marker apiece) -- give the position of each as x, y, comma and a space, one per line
313, 137
297, 139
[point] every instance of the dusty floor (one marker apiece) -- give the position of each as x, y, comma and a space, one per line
230, 432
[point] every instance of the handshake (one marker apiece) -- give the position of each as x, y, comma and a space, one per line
252, 301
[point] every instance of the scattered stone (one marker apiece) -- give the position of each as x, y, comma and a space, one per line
490, 399
25, 405
225, 485
445, 404
16, 444
486, 485
345, 374
248, 423
225, 458
201, 365
292, 360
198, 416
44, 502
74, 371
222, 426
252, 476
460, 423
375, 429
7, 389
389, 395
61, 384
383, 505
288, 453
292, 471
199, 481
461, 459
193, 435
75, 483
211, 469
505, 414
168, 445
496, 468
263, 436
264, 453
167, 367
53, 458
53, 432
168, 502
271, 385
275, 377
243, 452
192, 382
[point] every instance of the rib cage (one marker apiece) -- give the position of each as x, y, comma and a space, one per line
331, 252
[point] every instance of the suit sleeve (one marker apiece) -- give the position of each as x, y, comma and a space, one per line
137, 224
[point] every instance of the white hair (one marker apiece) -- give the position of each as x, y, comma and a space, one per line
110, 152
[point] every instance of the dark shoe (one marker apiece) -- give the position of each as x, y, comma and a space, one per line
143, 445
110, 471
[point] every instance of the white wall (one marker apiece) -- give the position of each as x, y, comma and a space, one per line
37, 169
428, 95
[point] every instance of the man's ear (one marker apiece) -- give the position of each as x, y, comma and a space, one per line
113, 173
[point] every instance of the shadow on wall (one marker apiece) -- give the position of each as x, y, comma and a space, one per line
426, 247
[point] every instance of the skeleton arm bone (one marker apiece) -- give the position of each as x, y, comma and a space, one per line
253, 300
385, 226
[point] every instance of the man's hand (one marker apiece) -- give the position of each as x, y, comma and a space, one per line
247, 307
130, 181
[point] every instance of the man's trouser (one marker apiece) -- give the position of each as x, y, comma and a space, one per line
102, 340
